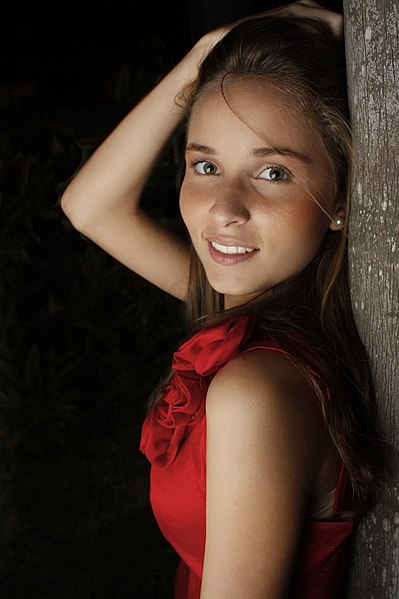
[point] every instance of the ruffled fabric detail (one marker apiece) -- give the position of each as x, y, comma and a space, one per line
194, 364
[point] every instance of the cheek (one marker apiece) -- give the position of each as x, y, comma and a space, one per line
303, 231
189, 206
311, 216
192, 201
183, 202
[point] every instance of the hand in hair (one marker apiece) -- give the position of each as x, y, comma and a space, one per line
303, 8
311, 10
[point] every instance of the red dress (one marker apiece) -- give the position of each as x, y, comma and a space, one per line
174, 441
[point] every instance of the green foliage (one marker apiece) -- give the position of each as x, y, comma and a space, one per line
82, 343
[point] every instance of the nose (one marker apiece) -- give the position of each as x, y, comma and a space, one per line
229, 207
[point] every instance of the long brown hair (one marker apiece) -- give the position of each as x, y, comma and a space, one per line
309, 315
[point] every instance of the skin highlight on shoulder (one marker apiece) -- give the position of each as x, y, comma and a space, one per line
263, 376
266, 393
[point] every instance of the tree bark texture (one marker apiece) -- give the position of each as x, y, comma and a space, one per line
372, 48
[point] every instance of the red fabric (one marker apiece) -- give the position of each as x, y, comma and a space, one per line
174, 440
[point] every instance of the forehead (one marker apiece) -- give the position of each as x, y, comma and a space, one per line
252, 111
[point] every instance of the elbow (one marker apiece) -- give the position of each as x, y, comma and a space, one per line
70, 208
65, 204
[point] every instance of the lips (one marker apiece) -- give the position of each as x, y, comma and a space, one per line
230, 253
231, 249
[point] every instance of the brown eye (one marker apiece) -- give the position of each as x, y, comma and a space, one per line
205, 167
274, 173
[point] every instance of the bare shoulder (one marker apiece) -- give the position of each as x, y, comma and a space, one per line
263, 400
265, 382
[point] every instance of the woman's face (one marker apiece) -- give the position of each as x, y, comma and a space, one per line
257, 195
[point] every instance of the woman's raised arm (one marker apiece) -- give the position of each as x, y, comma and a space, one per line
102, 201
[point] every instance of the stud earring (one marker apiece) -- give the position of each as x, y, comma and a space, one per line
339, 222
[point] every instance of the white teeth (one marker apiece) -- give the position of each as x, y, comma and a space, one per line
230, 249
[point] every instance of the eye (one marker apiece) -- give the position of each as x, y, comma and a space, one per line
274, 173
205, 167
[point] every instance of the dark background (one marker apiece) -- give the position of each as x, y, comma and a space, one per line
83, 341
69, 52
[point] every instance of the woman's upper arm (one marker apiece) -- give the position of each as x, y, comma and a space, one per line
262, 432
145, 246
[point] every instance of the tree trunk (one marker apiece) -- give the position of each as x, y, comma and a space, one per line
371, 32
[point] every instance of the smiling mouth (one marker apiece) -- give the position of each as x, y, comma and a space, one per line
231, 249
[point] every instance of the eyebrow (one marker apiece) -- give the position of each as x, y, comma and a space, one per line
256, 153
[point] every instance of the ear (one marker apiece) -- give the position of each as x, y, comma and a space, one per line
338, 220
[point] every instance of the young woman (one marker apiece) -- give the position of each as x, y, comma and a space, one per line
262, 438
